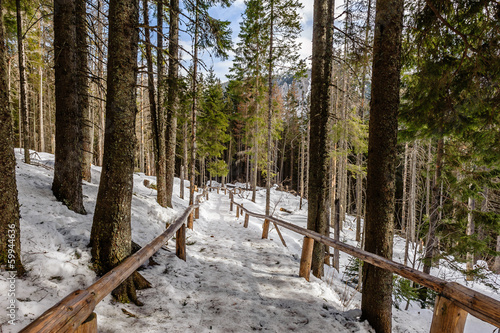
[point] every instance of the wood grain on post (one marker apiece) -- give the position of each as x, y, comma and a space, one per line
245, 225
190, 221
180, 243
231, 205
237, 212
89, 325
218, 189
447, 317
306, 258
265, 229
197, 213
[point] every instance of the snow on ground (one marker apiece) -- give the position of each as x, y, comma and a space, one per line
232, 281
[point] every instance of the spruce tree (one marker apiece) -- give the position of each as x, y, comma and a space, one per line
376, 303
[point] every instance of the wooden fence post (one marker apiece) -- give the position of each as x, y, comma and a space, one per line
265, 229
197, 213
306, 258
218, 188
231, 205
190, 220
237, 212
89, 325
447, 317
245, 225
207, 195
180, 243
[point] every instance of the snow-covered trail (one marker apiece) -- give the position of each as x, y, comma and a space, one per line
233, 281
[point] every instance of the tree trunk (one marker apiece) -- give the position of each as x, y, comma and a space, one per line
111, 237
184, 167
10, 232
496, 265
376, 304
157, 117
67, 184
83, 87
269, 108
41, 111
173, 96
471, 205
22, 85
431, 246
319, 145
192, 169
359, 157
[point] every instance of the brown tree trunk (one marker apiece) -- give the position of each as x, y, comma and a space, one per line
67, 184
83, 87
269, 109
184, 166
319, 145
376, 304
431, 246
192, 169
10, 233
173, 96
22, 86
157, 117
111, 237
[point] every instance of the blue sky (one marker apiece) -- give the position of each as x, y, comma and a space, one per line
233, 14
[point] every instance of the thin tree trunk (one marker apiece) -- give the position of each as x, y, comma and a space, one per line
193, 115
471, 205
405, 178
173, 95
269, 108
83, 85
359, 157
184, 166
41, 113
431, 246
10, 232
319, 145
22, 85
301, 180
496, 265
376, 303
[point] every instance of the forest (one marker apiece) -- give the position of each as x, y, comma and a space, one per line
392, 120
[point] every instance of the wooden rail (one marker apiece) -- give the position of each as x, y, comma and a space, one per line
77, 307
452, 296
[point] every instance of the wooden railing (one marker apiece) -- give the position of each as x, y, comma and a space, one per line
452, 304
75, 312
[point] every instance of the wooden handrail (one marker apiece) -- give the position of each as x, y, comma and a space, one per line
475, 303
74, 309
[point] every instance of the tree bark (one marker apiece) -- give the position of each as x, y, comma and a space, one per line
173, 97
319, 145
471, 205
269, 109
157, 117
67, 184
192, 169
431, 246
376, 304
22, 85
111, 237
10, 232
83, 87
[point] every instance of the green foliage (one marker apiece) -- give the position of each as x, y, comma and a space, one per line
403, 291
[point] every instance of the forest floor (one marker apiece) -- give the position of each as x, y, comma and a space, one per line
232, 281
